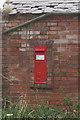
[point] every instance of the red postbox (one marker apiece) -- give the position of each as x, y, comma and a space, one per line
40, 64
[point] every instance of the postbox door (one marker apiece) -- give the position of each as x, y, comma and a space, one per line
40, 72
40, 67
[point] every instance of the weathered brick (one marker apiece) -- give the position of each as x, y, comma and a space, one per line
57, 28
43, 36
51, 32
56, 57
60, 34
72, 28
51, 24
53, 36
34, 32
22, 49
74, 23
12, 24
71, 36
23, 45
43, 24
72, 70
43, 32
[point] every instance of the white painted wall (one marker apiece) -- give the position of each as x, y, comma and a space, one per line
1, 3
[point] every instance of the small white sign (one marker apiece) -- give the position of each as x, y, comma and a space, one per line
9, 114
39, 57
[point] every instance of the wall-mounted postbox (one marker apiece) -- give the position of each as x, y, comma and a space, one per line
40, 64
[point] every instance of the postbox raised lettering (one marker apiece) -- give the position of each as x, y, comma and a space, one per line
40, 64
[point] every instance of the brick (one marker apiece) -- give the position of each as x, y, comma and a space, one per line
63, 45
57, 78
57, 45
56, 57
74, 23
34, 32
63, 23
23, 44
43, 24
57, 70
72, 53
43, 36
37, 24
72, 45
14, 20
51, 32
53, 36
22, 49
33, 37
51, 24
15, 37
60, 41
43, 32
55, 28
72, 70
72, 28
12, 24
74, 50
61, 49
71, 36
64, 78
14, 33
12, 49
75, 32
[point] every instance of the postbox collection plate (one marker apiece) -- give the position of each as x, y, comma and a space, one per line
39, 57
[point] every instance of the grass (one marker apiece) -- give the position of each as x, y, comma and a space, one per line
42, 110
62, 109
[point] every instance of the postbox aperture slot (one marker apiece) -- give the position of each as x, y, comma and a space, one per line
40, 51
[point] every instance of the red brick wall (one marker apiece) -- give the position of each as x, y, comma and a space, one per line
60, 34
